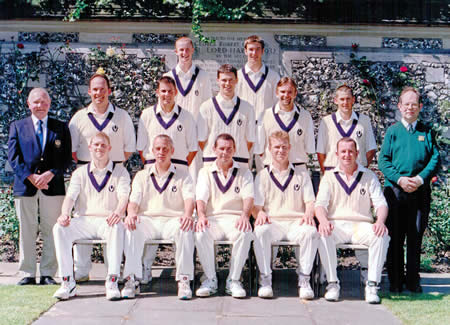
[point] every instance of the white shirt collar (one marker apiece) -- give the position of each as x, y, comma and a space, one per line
187, 74
93, 168
360, 168
274, 170
110, 108
226, 102
159, 109
36, 120
152, 170
214, 166
339, 117
250, 71
406, 124
278, 109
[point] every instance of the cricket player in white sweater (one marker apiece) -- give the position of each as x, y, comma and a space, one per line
343, 208
284, 210
99, 192
224, 196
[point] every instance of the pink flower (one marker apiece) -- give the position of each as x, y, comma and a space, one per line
20, 45
366, 82
403, 69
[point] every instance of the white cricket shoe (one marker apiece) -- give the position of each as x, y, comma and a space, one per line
235, 289
146, 274
304, 288
112, 288
68, 289
131, 288
184, 289
207, 288
332, 293
371, 293
265, 292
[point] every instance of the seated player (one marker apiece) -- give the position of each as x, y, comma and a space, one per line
161, 206
284, 210
99, 191
224, 202
343, 207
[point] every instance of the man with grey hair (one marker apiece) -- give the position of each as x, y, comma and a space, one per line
39, 151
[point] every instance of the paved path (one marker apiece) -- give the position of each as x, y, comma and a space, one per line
158, 304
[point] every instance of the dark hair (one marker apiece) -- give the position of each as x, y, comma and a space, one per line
254, 39
168, 80
226, 137
225, 68
103, 76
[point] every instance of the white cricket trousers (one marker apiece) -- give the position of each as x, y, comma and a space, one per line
159, 228
305, 236
351, 232
223, 228
86, 227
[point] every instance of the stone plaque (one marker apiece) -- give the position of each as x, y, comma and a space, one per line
229, 48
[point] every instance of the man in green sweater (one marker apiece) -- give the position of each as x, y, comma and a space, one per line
408, 159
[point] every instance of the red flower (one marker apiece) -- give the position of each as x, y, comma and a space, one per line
434, 179
355, 46
366, 82
20, 45
403, 69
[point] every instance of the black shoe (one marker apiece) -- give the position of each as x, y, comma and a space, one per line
394, 289
26, 281
47, 280
415, 288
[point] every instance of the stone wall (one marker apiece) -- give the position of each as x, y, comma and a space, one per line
318, 57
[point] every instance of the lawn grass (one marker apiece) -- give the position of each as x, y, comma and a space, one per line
24, 304
423, 309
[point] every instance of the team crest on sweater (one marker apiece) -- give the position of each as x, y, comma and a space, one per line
196, 92
111, 188
359, 133
115, 128
237, 189
174, 188
299, 132
180, 128
239, 122
362, 191
297, 187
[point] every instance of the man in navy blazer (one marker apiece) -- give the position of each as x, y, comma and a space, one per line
39, 151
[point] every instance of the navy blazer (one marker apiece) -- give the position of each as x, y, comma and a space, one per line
25, 157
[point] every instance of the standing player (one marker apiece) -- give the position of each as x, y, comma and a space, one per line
256, 82
344, 123
226, 113
99, 191
194, 87
284, 209
286, 116
161, 207
166, 117
343, 208
224, 196
408, 159
99, 116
